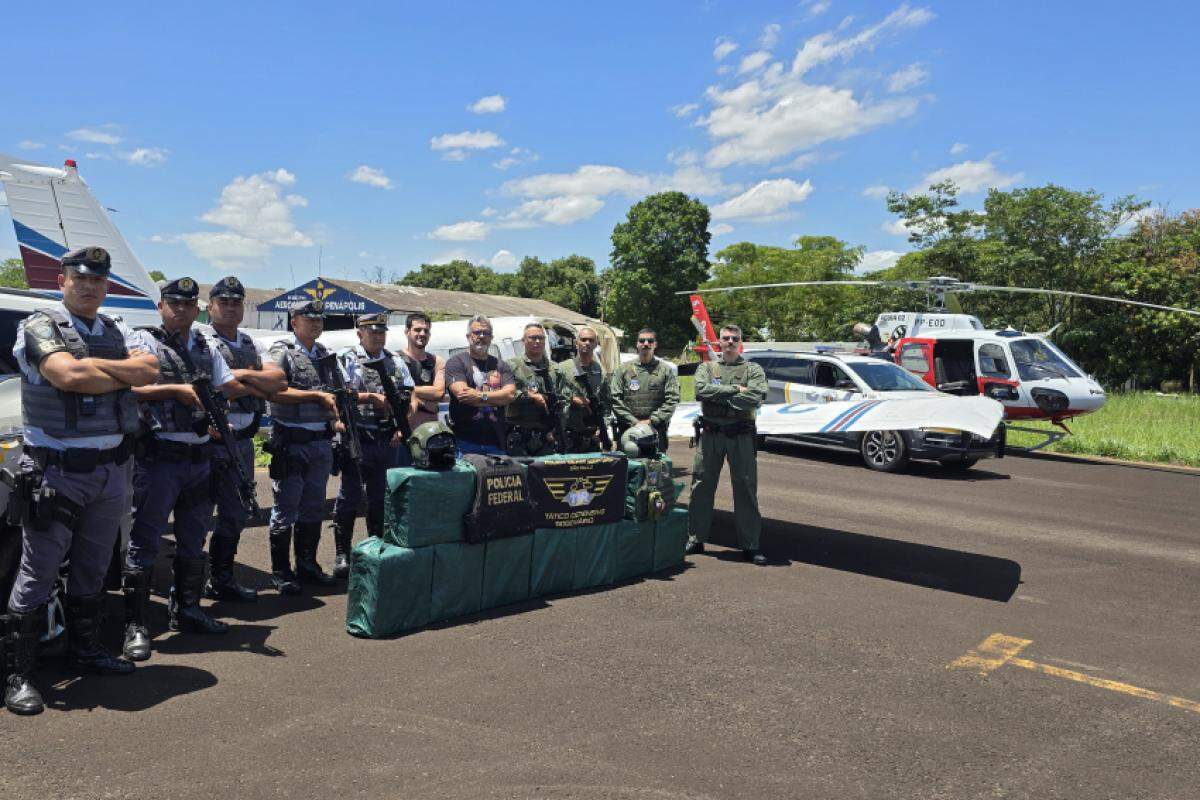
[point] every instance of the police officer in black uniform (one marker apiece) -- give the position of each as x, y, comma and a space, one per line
171, 477
382, 442
306, 418
244, 355
77, 367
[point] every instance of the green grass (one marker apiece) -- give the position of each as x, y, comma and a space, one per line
1139, 426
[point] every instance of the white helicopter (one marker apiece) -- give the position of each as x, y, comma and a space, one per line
955, 353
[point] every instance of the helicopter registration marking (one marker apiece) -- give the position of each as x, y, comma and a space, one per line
998, 650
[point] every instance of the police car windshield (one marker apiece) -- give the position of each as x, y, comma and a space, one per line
885, 377
1038, 360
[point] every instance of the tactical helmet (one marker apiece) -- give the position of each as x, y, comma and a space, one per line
640, 441
432, 446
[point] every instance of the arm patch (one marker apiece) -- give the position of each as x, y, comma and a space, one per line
42, 339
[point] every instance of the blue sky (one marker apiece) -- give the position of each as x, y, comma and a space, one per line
257, 138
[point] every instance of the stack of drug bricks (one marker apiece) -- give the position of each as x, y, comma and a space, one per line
424, 570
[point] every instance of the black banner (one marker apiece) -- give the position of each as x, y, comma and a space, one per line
579, 490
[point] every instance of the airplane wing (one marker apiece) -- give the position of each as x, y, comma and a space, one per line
978, 415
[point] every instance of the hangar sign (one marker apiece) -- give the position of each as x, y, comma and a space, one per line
337, 299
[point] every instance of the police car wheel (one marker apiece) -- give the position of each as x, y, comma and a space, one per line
883, 451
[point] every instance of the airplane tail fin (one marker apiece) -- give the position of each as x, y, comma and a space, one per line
54, 211
709, 346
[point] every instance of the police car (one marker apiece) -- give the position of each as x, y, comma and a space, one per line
823, 377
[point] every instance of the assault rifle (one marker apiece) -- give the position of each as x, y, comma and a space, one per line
216, 416
594, 406
398, 399
554, 409
347, 403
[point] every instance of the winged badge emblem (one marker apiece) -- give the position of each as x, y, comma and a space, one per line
577, 492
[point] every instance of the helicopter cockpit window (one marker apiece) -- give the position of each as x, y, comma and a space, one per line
914, 359
992, 362
1037, 361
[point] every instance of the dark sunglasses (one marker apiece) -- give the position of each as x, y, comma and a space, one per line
731, 338
646, 341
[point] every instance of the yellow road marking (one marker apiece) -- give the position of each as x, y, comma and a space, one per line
998, 650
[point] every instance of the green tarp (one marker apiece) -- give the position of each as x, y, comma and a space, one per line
389, 588
506, 568
594, 556
633, 549
636, 475
670, 537
426, 507
457, 580
553, 567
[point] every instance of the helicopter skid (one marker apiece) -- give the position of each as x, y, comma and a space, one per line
1050, 437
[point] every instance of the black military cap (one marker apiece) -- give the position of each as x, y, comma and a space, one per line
88, 261
228, 287
375, 322
313, 308
180, 289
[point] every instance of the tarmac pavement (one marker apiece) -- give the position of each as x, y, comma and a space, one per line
1024, 630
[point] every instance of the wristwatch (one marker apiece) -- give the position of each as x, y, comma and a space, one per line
483, 397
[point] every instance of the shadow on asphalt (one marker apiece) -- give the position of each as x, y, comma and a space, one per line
148, 686
973, 574
919, 469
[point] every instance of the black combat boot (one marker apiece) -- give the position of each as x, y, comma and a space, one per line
135, 586
282, 577
343, 535
84, 617
693, 547
754, 557
375, 522
221, 583
184, 607
308, 536
24, 630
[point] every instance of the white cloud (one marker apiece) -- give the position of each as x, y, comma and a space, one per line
878, 191
816, 7
492, 104
256, 215
969, 176
770, 36
875, 260
370, 176
457, 254
489, 212
457, 146
466, 231
684, 109
590, 179
754, 62
720, 229
29, 144
516, 156
145, 156
723, 48
777, 112
98, 156
896, 227
503, 260
683, 157
159, 238
907, 78
563, 210
763, 200
96, 136
958, 148
825, 47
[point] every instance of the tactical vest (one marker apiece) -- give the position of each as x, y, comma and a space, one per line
173, 416
422, 371
582, 419
525, 412
241, 354
502, 506
66, 415
644, 400
302, 373
726, 375
371, 382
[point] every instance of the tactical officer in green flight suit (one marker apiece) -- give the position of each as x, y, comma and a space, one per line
533, 418
583, 380
730, 392
646, 390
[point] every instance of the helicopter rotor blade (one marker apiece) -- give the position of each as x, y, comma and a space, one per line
1021, 290
895, 284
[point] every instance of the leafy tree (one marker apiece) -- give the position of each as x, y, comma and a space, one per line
12, 274
661, 248
461, 276
157, 275
570, 282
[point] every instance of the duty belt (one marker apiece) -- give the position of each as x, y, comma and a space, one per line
169, 450
79, 459
291, 435
737, 428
